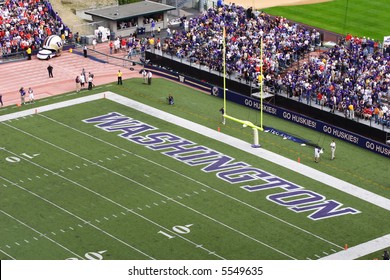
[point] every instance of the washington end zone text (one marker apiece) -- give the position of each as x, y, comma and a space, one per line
249, 178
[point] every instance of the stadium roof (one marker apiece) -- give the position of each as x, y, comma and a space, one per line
130, 10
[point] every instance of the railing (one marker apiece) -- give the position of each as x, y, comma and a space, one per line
126, 61
10, 57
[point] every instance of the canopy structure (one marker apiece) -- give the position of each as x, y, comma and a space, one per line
262, 4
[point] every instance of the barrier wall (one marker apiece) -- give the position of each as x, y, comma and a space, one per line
279, 112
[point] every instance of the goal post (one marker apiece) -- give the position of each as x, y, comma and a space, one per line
243, 122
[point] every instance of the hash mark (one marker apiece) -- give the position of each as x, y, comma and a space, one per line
195, 192
53, 233
108, 158
139, 208
146, 175
9, 247
71, 228
116, 157
17, 243
46, 175
325, 253
97, 220
199, 245
163, 201
115, 216
62, 230
78, 167
203, 190
124, 155
62, 171
187, 194
5, 185
106, 218
70, 169
80, 225
29, 179
38, 177
179, 197
147, 206
21, 181
333, 250
155, 203
317, 256
85, 164
124, 214
100, 160
35, 238
26, 241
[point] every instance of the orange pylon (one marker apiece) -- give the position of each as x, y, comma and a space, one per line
345, 246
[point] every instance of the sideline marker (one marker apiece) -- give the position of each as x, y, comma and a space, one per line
345, 246
219, 129
299, 160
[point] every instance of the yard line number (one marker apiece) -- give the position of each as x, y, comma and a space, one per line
178, 229
93, 256
14, 159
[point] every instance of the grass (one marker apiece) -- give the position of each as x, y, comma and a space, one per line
357, 17
80, 192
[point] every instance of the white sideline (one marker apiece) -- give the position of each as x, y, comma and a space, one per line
361, 249
352, 253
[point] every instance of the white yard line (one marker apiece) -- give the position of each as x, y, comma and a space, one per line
41, 234
118, 204
77, 217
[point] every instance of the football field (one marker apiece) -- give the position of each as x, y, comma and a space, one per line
106, 177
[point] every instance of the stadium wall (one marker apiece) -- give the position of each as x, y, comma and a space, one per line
292, 116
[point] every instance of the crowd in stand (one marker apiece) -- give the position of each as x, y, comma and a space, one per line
26, 23
202, 43
353, 77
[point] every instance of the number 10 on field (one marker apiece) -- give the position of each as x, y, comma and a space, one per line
178, 229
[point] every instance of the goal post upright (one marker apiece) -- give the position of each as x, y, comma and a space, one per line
225, 115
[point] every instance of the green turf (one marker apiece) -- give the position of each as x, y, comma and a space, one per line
89, 191
358, 17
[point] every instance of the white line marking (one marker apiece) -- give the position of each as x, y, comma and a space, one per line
77, 217
362, 249
8, 255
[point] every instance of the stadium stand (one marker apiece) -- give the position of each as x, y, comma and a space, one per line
28, 23
353, 77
